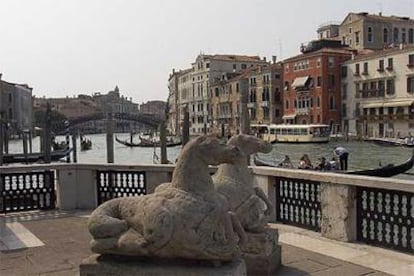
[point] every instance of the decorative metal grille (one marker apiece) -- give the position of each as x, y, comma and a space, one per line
386, 218
113, 184
27, 191
298, 202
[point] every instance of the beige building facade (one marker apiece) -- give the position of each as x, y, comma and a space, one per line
376, 32
378, 93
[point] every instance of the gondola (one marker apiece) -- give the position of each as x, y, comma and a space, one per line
146, 143
385, 171
391, 142
35, 157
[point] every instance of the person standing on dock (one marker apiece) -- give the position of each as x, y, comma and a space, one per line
342, 153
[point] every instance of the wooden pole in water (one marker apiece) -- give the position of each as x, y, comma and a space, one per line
110, 139
67, 139
47, 135
25, 146
163, 143
1, 139
186, 126
74, 151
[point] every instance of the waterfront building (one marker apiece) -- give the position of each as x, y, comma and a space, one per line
312, 84
154, 108
371, 31
16, 106
205, 70
378, 93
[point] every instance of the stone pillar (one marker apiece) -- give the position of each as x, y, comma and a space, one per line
76, 189
338, 206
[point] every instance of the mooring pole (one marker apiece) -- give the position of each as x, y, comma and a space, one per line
110, 138
186, 127
163, 143
1, 139
47, 135
67, 139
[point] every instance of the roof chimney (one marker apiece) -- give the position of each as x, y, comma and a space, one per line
380, 13
264, 59
274, 59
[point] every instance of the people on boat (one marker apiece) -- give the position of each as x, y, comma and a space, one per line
305, 162
323, 165
342, 153
286, 163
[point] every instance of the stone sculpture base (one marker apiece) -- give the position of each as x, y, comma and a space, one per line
262, 253
106, 265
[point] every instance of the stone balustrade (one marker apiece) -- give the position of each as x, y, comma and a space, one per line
377, 211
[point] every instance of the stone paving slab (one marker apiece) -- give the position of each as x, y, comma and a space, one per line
66, 244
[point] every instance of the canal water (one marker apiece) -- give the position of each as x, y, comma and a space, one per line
363, 155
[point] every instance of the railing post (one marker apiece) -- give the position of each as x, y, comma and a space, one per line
76, 188
338, 203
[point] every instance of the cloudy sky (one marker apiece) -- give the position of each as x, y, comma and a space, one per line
68, 47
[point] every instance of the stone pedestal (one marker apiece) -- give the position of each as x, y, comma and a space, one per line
262, 253
106, 265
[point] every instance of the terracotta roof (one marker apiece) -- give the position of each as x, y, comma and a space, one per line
239, 58
380, 53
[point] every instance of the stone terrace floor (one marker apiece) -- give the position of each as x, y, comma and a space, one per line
55, 243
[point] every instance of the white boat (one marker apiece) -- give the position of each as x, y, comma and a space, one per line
313, 133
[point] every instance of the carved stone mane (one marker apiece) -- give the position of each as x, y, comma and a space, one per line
236, 182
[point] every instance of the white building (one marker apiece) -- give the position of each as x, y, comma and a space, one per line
378, 93
193, 87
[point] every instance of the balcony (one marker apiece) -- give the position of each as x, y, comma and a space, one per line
265, 104
389, 68
303, 111
356, 74
380, 70
372, 93
410, 65
251, 105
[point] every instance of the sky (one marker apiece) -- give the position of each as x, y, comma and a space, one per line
69, 47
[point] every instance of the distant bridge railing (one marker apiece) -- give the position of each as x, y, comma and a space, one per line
372, 210
148, 119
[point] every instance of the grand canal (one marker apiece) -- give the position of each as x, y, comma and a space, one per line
363, 155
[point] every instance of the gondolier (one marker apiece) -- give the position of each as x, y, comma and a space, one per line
342, 153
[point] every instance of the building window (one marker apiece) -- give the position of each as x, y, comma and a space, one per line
331, 81
295, 103
207, 65
287, 68
234, 66
410, 60
370, 36
356, 38
287, 104
380, 65
243, 66
385, 35
318, 101
331, 102
237, 87
331, 62
390, 64
318, 62
365, 72
411, 36
319, 81
403, 35
410, 84
356, 69
390, 87
344, 91
395, 35
286, 85
350, 30
344, 71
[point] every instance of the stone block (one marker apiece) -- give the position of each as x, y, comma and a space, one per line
106, 265
262, 253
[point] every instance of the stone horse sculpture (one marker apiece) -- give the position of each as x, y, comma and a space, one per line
236, 183
187, 219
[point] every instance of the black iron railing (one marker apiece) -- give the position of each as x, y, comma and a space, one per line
386, 218
27, 191
298, 202
113, 184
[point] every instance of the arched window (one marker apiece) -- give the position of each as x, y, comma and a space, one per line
370, 37
385, 35
396, 35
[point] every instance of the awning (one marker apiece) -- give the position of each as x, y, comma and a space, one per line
399, 103
287, 117
300, 82
372, 105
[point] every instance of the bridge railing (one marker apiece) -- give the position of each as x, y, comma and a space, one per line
377, 211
